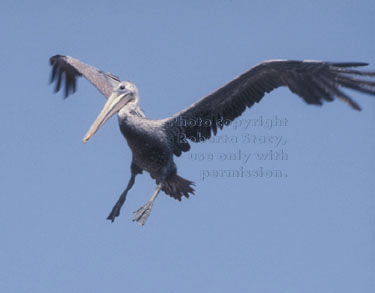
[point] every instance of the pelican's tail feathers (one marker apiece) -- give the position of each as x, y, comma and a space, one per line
177, 187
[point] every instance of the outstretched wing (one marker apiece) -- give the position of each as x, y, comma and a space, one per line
70, 68
313, 81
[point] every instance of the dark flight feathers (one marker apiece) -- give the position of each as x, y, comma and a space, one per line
71, 68
313, 81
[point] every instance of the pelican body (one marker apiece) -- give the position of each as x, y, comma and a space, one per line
154, 143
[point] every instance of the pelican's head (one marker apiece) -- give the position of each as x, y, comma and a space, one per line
122, 94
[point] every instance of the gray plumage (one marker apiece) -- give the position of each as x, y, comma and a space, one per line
154, 142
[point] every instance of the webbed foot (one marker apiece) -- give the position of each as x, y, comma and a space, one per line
115, 211
141, 215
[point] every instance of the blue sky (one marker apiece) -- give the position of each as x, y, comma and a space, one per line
310, 231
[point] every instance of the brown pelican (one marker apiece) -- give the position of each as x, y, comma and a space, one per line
154, 142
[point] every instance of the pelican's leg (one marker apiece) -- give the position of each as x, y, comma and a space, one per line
143, 212
117, 207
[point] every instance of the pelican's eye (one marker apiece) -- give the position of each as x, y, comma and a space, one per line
122, 87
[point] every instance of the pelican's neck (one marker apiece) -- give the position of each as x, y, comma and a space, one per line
130, 117
131, 109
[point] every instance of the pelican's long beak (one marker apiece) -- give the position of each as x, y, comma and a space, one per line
114, 103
